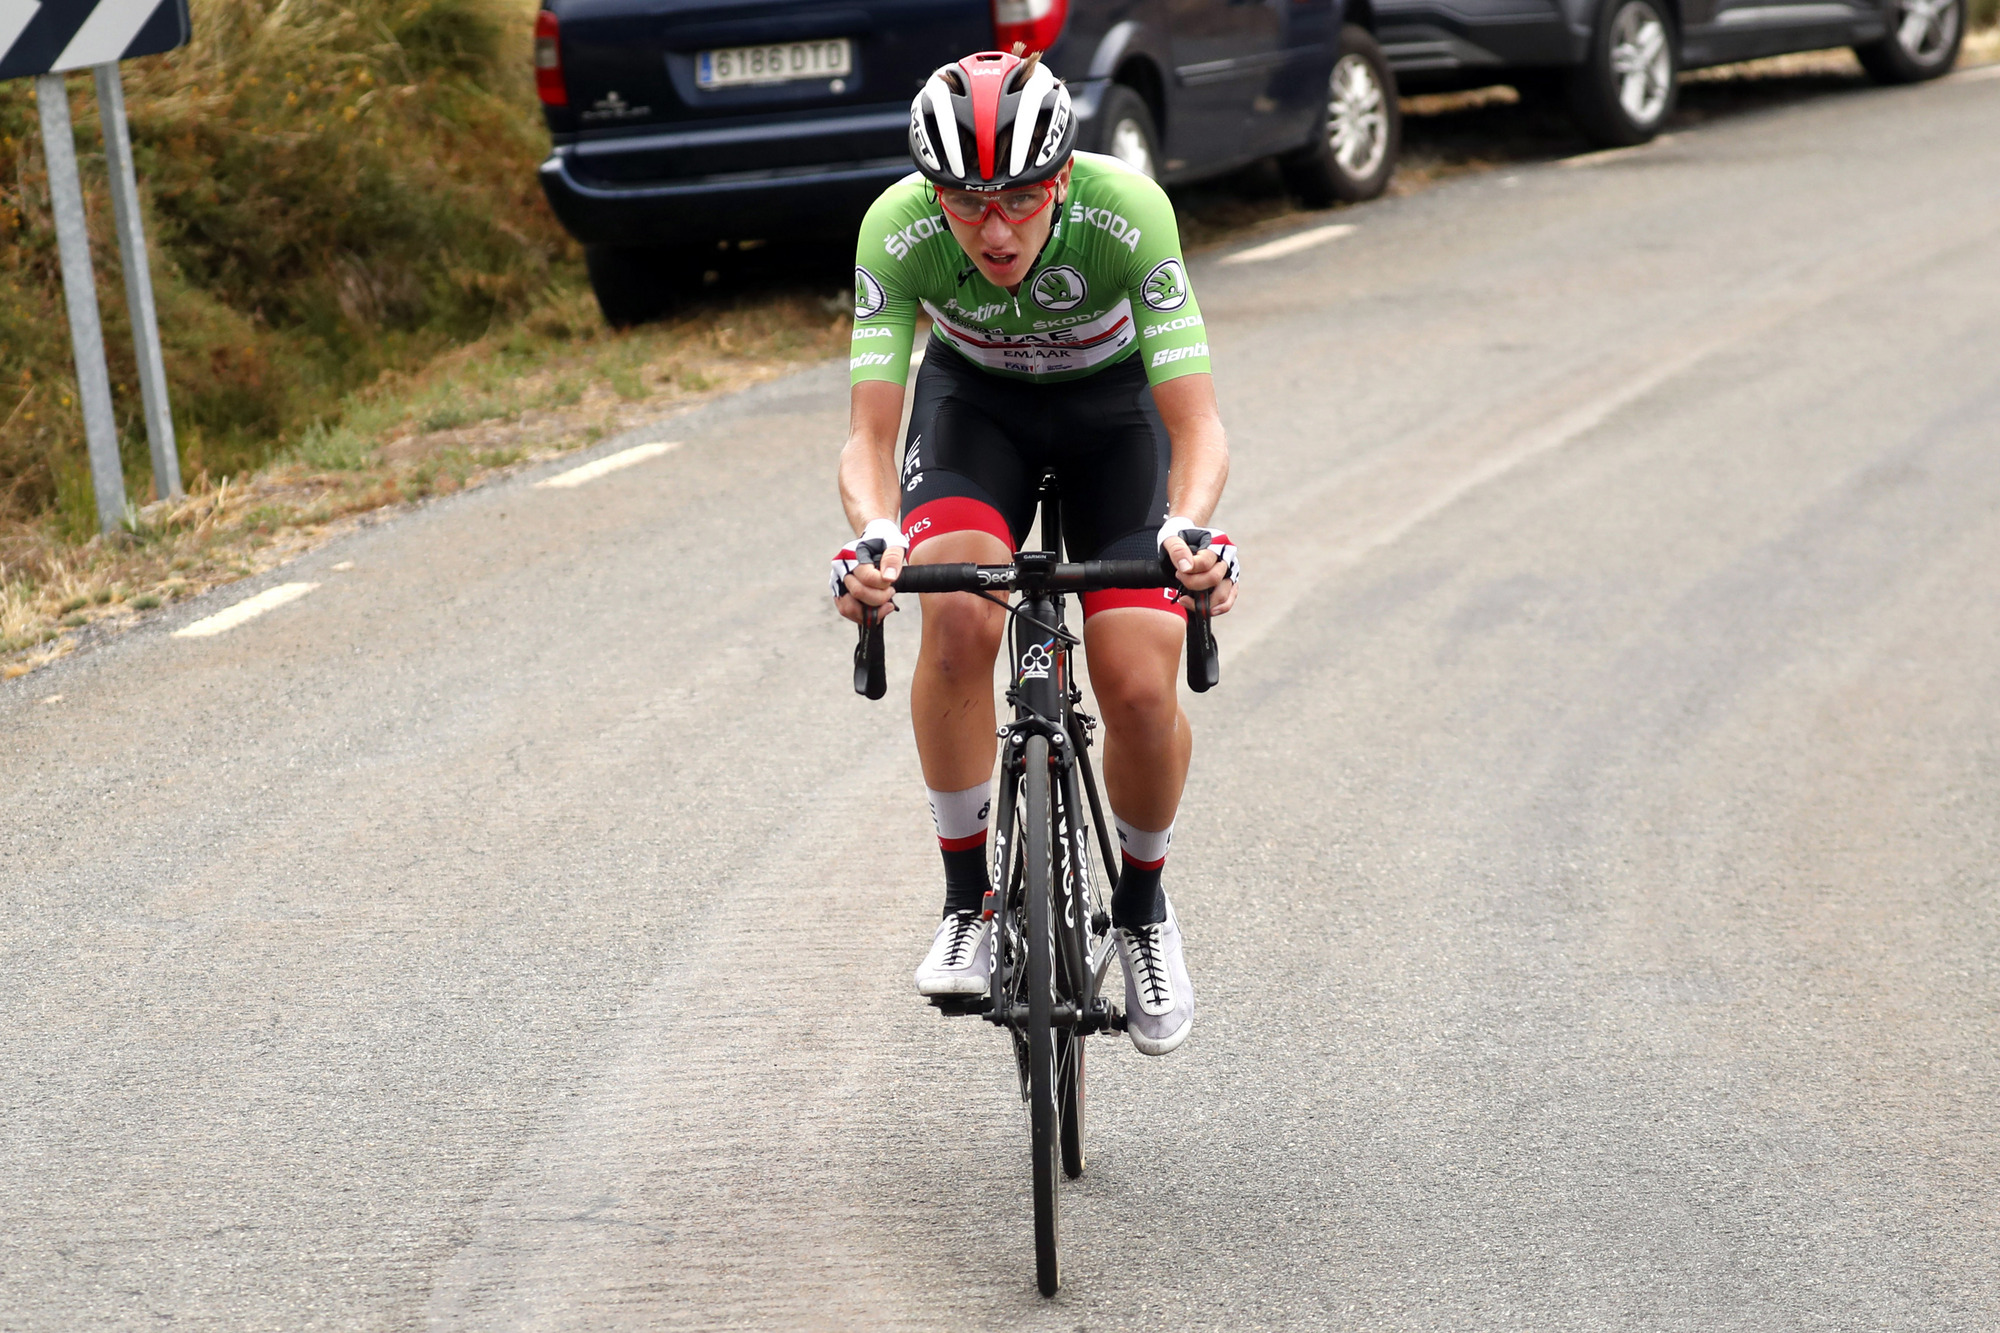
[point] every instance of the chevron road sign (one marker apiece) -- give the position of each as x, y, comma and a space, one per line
45, 38
49, 36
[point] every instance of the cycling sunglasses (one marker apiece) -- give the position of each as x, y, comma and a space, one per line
1016, 206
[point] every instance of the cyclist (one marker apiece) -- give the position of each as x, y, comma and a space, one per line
1063, 335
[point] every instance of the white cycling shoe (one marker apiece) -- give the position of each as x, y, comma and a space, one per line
961, 958
1159, 998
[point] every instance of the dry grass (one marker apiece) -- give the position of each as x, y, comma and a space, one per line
543, 389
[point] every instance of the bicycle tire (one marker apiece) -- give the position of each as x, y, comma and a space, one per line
1069, 1074
1044, 1117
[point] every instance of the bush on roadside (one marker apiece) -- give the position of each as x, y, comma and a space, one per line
332, 191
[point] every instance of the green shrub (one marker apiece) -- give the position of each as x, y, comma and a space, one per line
332, 191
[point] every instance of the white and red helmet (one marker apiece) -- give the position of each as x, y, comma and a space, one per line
991, 121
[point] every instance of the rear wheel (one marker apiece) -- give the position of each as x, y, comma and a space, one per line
634, 286
1044, 1087
1353, 152
1625, 89
1922, 42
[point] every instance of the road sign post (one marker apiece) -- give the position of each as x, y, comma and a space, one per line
86, 333
44, 39
138, 279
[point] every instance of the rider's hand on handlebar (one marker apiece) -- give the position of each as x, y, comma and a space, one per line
862, 584
1213, 568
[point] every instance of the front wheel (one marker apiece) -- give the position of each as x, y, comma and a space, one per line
1353, 150
1626, 87
1922, 42
1044, 1086
1069, 1078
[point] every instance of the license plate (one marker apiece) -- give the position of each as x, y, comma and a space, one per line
780, 62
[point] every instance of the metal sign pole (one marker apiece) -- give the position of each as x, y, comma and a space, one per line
86, 335
138, 280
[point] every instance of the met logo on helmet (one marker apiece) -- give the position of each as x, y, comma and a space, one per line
1059, 288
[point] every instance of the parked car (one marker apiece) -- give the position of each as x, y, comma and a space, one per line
1616, 62
681, 126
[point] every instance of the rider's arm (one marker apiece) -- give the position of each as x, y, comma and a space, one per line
1173, 345
868, 476
1195, 477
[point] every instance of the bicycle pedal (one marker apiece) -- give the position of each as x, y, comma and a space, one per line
958, 1006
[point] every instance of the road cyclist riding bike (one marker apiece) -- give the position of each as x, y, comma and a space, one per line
1067, 359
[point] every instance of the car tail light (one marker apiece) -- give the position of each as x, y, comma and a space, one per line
1034, 23
548, 61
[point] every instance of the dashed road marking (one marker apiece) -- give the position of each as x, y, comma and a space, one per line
596, 468
247, 609
1290, 245
343, 567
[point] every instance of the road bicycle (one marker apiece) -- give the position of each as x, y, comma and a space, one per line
1053, 943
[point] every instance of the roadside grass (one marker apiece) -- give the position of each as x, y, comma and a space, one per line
555, 382
550, 378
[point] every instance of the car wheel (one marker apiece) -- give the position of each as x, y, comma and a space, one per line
1128, 132
1922, 41
1625, 89
1353, 151
634, 286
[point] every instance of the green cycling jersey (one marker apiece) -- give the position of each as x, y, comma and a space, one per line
1109, 284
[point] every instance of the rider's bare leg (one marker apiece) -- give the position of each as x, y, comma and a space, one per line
1134, 656
951, 696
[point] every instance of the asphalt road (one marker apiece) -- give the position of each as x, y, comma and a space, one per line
1590, 880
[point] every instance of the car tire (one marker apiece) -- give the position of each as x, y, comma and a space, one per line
1126, 131
635, 286
1922, 42
1357, 136
1628, 83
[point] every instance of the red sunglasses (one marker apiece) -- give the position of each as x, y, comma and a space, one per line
1016, 206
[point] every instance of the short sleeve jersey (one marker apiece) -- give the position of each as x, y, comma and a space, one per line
1109, 284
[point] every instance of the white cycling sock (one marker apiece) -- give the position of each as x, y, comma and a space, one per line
961, 818
1138, 901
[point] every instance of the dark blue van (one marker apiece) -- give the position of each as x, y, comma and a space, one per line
681, 126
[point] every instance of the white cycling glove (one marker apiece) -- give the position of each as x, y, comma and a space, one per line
883, 533
1218, 542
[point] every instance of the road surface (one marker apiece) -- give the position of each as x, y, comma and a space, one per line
1589, 877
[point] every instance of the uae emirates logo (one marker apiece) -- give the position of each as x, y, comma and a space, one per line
1166, 286
868, 295
1059, 288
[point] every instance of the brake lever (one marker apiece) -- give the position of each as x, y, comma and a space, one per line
1204, 658
871, 671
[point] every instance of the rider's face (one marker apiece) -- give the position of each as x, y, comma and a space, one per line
1004, 251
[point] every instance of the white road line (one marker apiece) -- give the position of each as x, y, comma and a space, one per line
591, 471
1290, 245
247, 609
1976, 73
1611, 154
